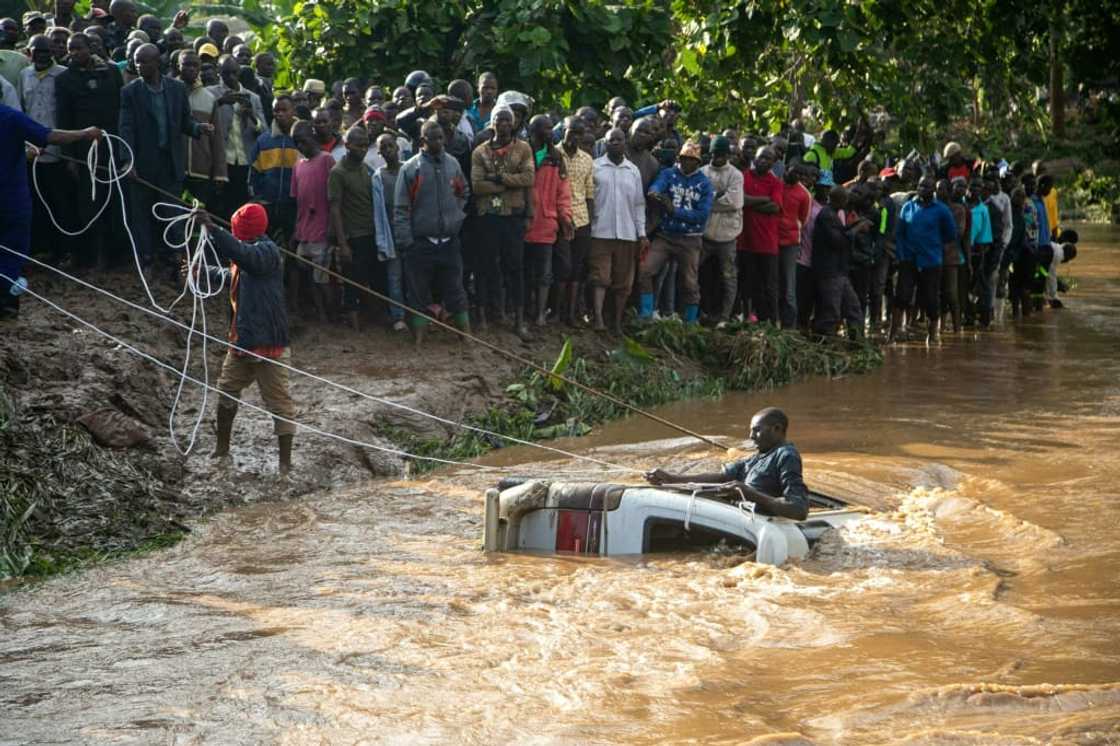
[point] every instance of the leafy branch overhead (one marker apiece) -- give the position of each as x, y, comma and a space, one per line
748, 63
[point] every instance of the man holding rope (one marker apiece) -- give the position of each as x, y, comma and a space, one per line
259, 326
16, 129
771, 478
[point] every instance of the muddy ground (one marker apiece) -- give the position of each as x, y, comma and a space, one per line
62, 379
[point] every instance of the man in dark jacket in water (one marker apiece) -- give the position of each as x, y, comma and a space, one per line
259, 328
771, 478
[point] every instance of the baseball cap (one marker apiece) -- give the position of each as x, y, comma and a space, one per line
209, 50
690, 150
311, 85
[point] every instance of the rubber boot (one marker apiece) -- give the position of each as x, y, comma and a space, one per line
645, 306
285, 454
896, 324
520, 328
691, 314
225, 430
542, 304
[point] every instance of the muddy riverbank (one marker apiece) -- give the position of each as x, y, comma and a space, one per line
91, 471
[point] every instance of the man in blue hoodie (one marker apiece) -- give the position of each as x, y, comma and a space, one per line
685, 195
924, 226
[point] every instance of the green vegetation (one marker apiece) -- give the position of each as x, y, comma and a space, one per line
66, 503
646, 371
924, 65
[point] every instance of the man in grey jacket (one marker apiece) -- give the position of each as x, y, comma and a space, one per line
725, 222
429, 198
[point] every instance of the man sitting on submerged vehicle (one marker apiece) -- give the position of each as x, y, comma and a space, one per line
771, 478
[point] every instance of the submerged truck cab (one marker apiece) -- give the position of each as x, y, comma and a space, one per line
615, 520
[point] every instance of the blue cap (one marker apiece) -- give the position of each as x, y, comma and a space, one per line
825, 179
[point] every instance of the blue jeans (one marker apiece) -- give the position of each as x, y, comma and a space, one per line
394, 286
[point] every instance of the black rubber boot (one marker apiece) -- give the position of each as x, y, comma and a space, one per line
226, 413
285, 454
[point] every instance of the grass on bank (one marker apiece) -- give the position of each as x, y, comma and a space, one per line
645, 370
66, 503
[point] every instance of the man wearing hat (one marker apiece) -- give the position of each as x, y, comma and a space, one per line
314, 90
725, 222
955, 164
685, 195
208, 52
258, 328
34, 23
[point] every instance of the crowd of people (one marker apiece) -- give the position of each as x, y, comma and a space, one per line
470, 205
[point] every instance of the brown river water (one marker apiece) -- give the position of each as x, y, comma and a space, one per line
978, 604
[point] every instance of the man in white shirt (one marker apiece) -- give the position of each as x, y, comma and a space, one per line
618, 231
37, 94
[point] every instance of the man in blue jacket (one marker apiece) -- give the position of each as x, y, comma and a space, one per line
924, 227
685, 195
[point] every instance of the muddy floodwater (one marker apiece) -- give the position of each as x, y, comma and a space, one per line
978, 604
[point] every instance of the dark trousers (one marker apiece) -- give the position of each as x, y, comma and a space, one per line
860, 276
569, 258
235, 193
146, 230
435, 268
836, 300
806, 295
363, 257
538, 265
56, 188
926, 282
501, 258
764, 285
96, 244
878, 289
1019, 284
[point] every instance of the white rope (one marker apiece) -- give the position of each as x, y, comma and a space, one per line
198, 283
688, 510
311, 428
341, 387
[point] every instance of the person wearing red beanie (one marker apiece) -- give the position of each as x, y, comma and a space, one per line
249, 222
258, 329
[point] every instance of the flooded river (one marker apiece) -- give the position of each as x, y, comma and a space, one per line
980, 604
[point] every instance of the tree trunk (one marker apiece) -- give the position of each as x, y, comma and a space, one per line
1057, 87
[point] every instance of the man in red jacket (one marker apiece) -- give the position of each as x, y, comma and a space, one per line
552, 213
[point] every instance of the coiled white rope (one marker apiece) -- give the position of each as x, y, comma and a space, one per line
202, 257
